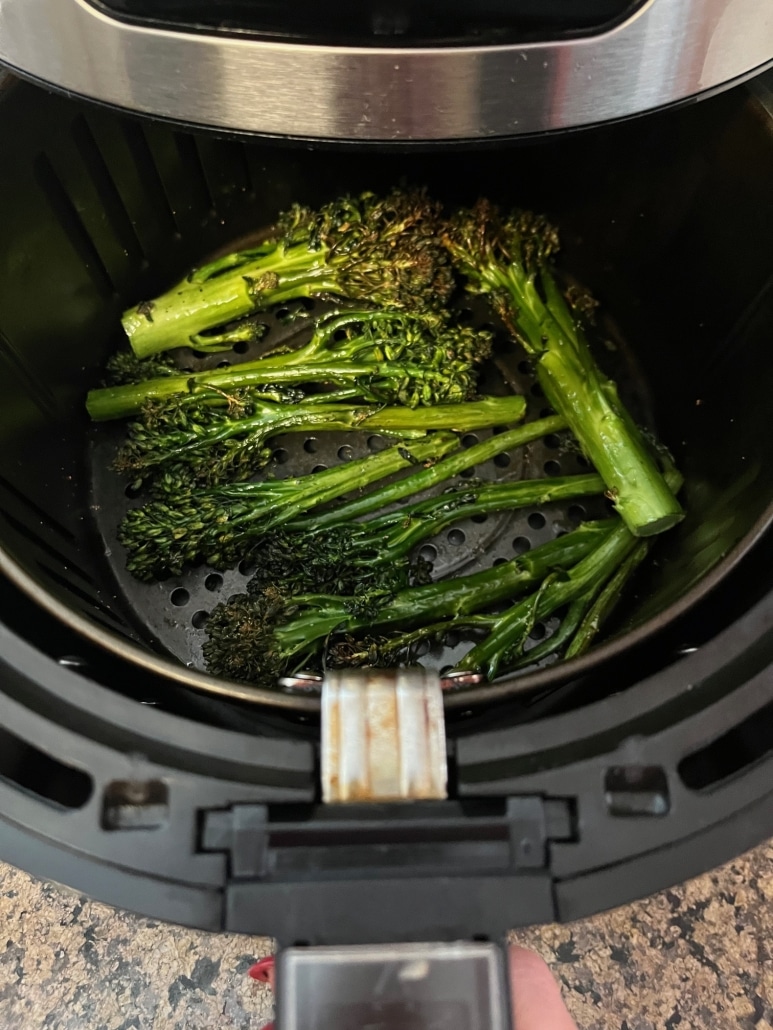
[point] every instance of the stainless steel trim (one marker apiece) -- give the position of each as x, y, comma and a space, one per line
669, 50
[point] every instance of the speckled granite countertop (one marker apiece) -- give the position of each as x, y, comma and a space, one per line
694, 958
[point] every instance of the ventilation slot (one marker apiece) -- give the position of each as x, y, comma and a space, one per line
91, 601
38, 541
44, 517
113, 627
107, 190
225, 167
70, 221
154, 194
742, 746
23, 765
197, 181
35, 389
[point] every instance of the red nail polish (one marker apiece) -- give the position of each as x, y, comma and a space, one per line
262, 971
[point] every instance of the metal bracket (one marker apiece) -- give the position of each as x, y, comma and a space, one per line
383, 736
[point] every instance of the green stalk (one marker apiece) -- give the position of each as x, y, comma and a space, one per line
374, 557
464, 417
245, 437
386, 355
606, 601
446, 599
220, 525
508, 259
492, 653
577, 389
111, 402
395, 535
214, 295
354, 653
381, 251
563, 633
604, 573
432, 476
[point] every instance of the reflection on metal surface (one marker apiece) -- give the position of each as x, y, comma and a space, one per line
311, 683
383, 736
669, 50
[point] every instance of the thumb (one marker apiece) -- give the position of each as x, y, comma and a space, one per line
536, 996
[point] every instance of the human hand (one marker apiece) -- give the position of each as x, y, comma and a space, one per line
536, 996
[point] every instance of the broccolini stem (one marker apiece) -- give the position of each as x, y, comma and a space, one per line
576, 387
153, 445
384, 251
508, 258
492, 654
584, 582
213, 296
464, 417
221, 525
606, 601
563, 633
397, 534
221, 447
111, 402
446, 599
440, 473
387, 355
374, 556
397, 649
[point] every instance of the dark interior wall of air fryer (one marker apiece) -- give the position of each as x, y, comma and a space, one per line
668, 219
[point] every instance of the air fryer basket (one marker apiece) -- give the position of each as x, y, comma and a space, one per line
667, 220
651, 761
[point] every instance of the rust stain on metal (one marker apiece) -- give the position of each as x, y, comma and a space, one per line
383, 737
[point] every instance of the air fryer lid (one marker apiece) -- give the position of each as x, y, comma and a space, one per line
100, 212
399, 71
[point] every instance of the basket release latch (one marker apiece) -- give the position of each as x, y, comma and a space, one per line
383, 736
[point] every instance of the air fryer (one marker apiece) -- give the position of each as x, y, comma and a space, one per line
129, 774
